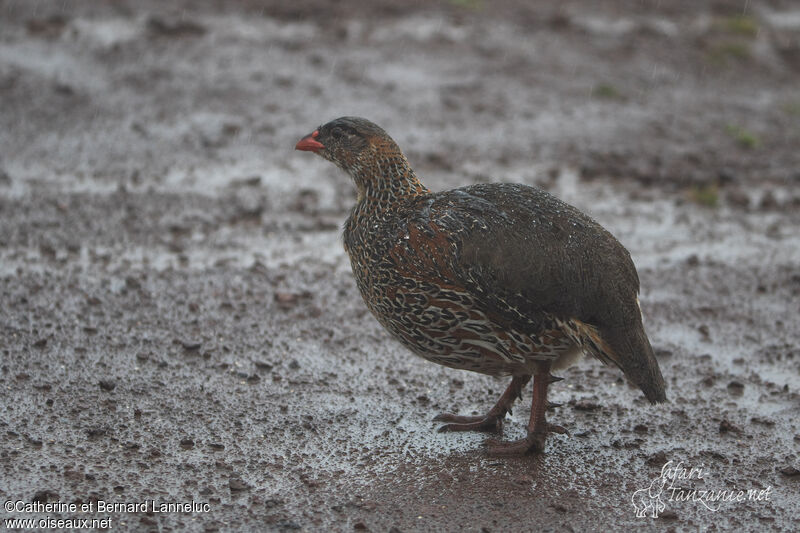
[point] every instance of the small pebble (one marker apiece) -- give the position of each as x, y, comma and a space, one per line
668, 515
237, 485
736, 388
790, 471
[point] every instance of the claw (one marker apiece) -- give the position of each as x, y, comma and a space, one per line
554, 379
553, 405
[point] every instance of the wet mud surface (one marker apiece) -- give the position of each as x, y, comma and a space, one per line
178, 321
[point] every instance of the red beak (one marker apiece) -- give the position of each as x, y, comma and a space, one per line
310, 143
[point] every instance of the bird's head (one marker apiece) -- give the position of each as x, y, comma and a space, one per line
349, 142
366, 152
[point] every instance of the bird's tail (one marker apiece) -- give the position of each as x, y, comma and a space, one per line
631, 351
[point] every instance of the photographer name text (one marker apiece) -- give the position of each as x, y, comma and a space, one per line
104, 507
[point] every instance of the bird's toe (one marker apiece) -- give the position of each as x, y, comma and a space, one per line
533, 443
470, 423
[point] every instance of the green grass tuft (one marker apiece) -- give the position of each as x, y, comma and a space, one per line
792, 108
607, 92
743, 25
745, 138
705, 195
468, 4
724, 52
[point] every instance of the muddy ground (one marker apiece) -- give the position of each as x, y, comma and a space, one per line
178, 321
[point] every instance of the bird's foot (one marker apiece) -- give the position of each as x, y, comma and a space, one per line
488, 423
492, 421
532, 443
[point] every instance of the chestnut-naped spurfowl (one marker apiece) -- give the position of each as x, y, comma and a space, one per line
501, 279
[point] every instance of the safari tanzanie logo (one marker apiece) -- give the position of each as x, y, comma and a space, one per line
677, 486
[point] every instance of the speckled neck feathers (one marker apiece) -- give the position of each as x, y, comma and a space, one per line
383, 175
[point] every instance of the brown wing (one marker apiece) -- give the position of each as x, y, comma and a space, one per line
529, 256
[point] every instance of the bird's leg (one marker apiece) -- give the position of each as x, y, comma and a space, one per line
491, 421
537, 426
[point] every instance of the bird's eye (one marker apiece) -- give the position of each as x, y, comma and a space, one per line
337, 131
